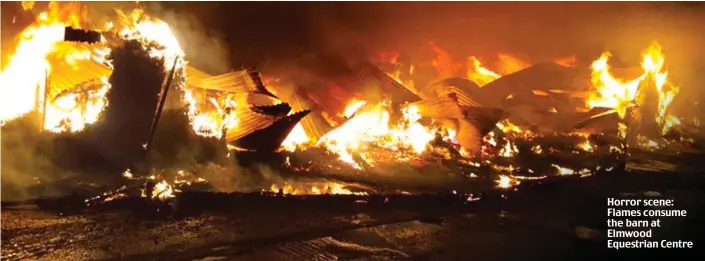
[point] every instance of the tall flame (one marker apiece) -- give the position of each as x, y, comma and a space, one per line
610, 92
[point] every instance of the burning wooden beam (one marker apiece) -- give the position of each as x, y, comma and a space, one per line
162, 101
82, 36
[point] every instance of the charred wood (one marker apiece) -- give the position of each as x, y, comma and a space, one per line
82, 36
277, 110
135, 85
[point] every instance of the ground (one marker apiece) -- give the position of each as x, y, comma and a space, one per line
563, 219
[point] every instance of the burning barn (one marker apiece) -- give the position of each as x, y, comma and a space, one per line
113, 111
82, 84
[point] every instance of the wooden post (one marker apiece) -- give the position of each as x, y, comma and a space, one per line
162, 101
45, 102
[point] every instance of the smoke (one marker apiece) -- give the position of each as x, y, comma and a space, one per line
26, 159
205, 48
535, 32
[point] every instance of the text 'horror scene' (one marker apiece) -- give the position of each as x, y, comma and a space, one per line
351, 131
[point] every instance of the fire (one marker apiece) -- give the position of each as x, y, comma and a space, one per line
479, 74
653, 65
215, 121
326, 188
26, 79
505, 182
23, 79
25, 84
586, 146
352, 107
568, 171
296, 138
348, 137
508, 150
163, 190
371, 126
150, 30
611, 92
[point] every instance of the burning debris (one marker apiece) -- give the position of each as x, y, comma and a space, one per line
82, 36
110, 87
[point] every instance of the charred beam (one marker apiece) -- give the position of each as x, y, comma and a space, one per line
162, 101
136, 83
596, 117
277, 110
82, 36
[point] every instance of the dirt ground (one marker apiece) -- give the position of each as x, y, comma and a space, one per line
563, 219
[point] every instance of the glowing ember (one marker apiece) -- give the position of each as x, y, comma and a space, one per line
569, 171
586, 146
508, 150
162, 191
327, 188
506, 182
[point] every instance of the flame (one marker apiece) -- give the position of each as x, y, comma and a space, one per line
508, 150
297, 138
563, 171
23, 79
149, 31
163, 190
352, 107
216, 119
41, 48
325, 188
479, 74
371, 126
505, 182
652, 64
586, 146
610, 92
